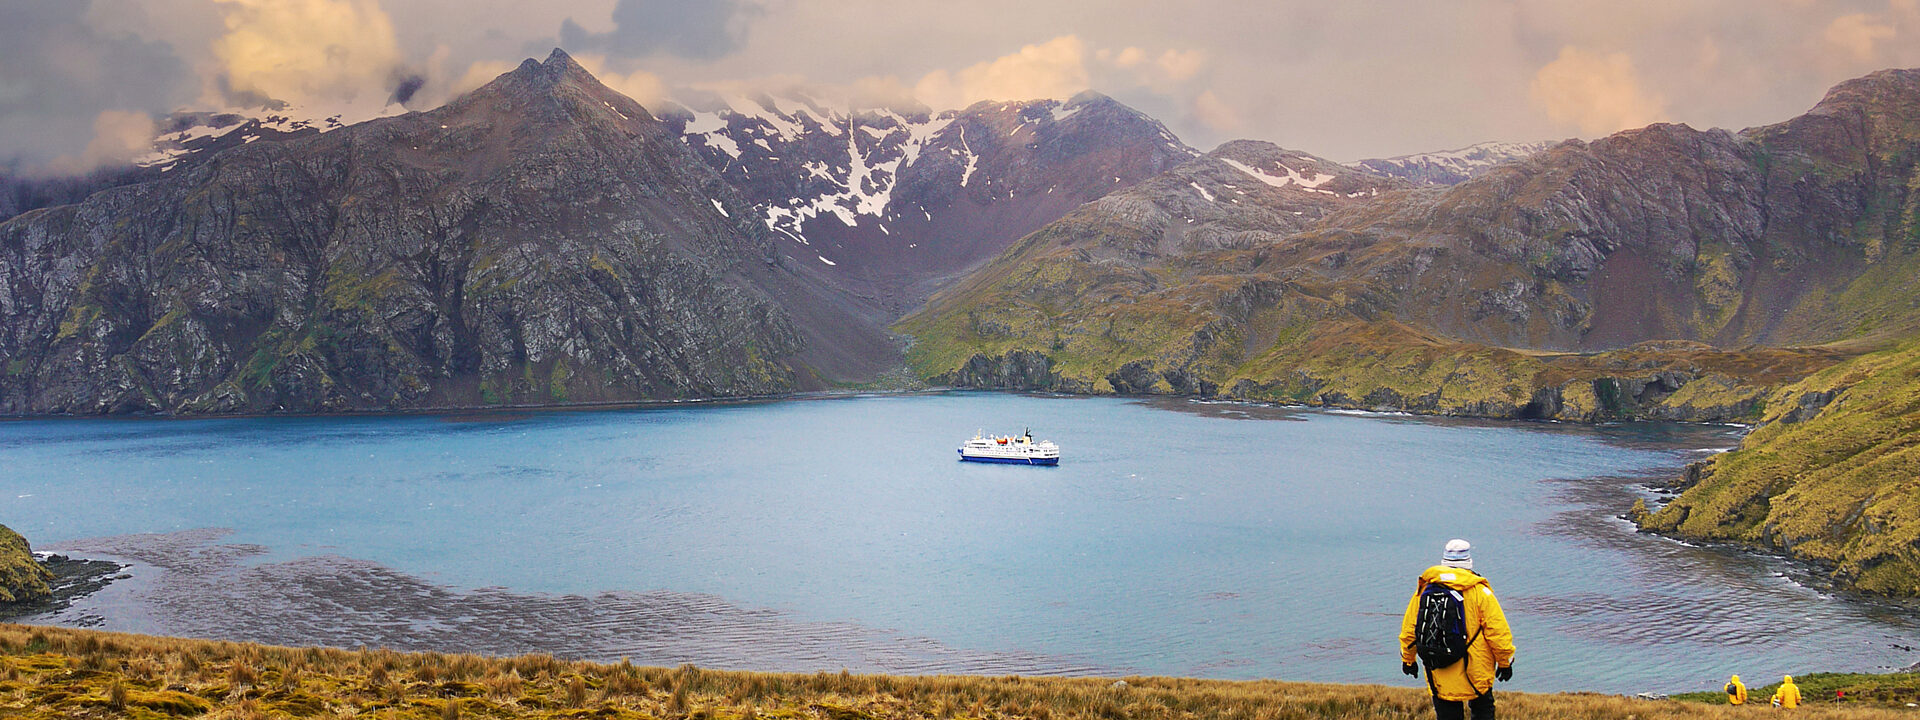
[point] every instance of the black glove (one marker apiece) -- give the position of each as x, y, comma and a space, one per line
1503, 674
1410, 669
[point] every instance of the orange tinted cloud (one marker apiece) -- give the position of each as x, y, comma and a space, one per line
1594, 93
1056, 68
308, 50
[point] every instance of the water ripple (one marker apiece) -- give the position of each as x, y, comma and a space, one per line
202, 587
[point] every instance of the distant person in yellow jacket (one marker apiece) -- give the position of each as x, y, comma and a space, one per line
1788, 696
1736, 692
1459, 618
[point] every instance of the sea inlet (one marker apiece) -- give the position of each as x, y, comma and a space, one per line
1175, 538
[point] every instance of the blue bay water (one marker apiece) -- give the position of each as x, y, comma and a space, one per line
1176, 538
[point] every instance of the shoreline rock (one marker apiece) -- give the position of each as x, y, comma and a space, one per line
70, 580
22, 578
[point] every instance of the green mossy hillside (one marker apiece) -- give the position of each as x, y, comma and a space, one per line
22, 579
1055, 318
1832, 477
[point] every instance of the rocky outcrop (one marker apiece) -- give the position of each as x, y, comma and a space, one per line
542, 239
22, 579
1018, 370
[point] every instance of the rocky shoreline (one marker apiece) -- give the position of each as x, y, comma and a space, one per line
1675, 381
73, 579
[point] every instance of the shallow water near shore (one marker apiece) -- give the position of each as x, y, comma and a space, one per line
1176, 538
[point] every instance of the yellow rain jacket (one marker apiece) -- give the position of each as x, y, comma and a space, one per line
1788, 696
1736, 692
1472, 676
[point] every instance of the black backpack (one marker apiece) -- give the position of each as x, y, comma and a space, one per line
1440, 630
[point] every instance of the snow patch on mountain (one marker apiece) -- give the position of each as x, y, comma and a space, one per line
1451, 166
1203, 191
800, 162
186, 132
973, 160
856, 183
1292, 176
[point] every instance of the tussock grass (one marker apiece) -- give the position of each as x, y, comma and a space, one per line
43, 676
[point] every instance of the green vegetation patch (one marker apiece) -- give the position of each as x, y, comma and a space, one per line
21, 577
1833, 476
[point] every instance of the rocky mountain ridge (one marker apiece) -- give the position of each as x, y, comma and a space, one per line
183, 139
1788, 235
541, 239
1452, 167
893, 204
1252, 270
424, 269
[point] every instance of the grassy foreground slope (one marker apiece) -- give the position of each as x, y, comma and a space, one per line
48, 673
1833, 477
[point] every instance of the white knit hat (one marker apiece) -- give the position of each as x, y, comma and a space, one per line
1459, 554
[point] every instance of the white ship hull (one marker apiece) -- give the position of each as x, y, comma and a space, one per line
1020, 450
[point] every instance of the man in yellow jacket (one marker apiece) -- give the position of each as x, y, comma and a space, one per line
1466, 683
1788, 696
1736, 691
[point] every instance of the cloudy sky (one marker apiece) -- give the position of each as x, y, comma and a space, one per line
80, 79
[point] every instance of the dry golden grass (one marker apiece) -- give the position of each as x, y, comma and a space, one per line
48, 673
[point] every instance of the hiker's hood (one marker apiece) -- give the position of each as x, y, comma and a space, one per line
1736, 678
1460, 579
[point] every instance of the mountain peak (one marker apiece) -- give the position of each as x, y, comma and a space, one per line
1882, 91
1088, 96
557, 67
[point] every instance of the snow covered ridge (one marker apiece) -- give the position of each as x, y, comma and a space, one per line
184, 133
801, 160
851, 163
1452, 166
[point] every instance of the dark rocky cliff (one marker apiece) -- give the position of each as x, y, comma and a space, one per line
541, 239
